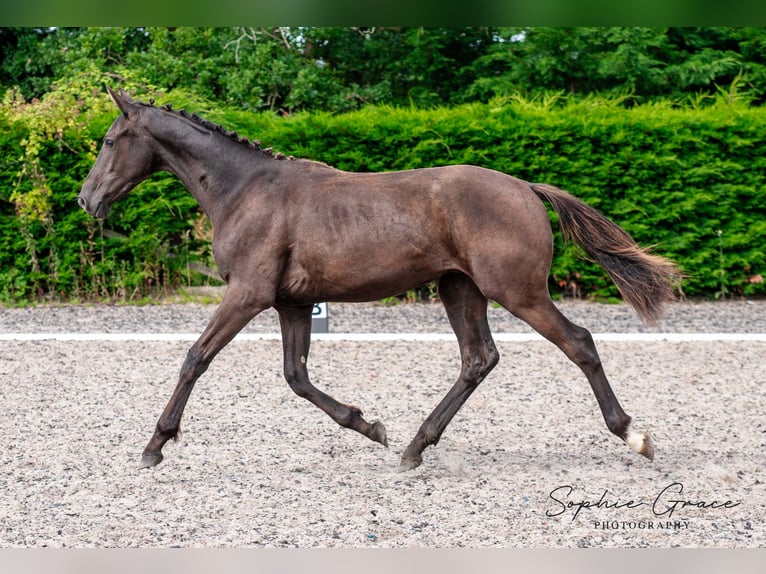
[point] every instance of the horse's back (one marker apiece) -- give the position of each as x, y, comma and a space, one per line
470, 194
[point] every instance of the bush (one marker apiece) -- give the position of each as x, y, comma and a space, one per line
688, 180
50, 249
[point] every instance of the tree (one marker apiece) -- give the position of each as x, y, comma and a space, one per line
343, 68
646, 62
36, 58
424, 66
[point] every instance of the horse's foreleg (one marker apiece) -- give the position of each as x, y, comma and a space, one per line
467, 311
577, 343
230, 317
296, 336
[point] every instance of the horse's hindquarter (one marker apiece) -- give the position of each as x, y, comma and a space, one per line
356, 237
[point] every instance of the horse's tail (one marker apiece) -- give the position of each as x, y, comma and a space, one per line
644, 280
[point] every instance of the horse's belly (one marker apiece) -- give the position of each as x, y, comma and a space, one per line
360, 277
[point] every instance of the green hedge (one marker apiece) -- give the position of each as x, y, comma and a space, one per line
688, 180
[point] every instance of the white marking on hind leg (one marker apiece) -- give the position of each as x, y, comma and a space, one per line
641, 442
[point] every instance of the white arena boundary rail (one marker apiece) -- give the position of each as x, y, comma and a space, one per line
384, 337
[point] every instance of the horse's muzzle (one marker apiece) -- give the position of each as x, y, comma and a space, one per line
100, 210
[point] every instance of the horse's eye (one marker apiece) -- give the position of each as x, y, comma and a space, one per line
108, 143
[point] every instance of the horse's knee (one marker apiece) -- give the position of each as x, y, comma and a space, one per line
478, 363
194, 364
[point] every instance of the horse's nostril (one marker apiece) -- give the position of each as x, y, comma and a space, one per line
81, 201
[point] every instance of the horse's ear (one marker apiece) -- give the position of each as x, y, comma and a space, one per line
123, 101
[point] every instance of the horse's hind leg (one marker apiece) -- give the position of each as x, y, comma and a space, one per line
577, 343
467, 311
296, 336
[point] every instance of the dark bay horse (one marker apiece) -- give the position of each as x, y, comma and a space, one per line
289, 233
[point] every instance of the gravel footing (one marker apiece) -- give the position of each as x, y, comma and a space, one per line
745, 316
527, 462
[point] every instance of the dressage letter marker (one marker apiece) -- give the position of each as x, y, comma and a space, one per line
319, 319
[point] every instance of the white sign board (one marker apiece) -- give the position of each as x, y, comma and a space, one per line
319, 319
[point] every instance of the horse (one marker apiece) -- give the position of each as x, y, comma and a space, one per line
288, 233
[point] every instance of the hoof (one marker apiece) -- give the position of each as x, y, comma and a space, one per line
648, 449
408, 463
378, 433
150, 460
641, 442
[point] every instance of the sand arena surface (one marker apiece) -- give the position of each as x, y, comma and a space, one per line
527, 462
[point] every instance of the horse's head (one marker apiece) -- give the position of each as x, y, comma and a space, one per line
125, 160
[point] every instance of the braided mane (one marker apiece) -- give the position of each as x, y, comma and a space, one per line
232, 135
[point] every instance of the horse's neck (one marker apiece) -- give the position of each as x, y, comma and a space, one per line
211, 168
